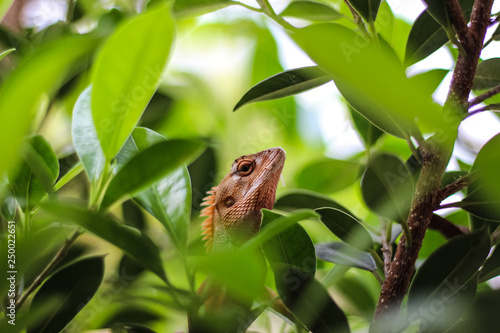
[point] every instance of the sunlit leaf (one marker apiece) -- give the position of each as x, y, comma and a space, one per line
346, 227
483, 195
36, 174
132, 241
74, 286
311, 10
368, 132
290, 249
8, 202
169, 198
343, 254
198, 7
46, 66
385, 23
487, 74
85, 138
364, 75
285, 84
430, 79
328, 175
366, 8
127, 73
387, 187
149, 166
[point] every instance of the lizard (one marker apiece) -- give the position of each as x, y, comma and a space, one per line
233, 214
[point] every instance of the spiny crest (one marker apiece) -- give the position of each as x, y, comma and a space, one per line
207, 226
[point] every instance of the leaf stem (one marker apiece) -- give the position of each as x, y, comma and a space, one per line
266, 8
481, 98
70, 175
258, 10
49, 268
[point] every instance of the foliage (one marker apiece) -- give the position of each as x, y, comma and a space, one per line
106, 148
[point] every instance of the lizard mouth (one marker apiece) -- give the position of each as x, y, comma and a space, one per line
270, 172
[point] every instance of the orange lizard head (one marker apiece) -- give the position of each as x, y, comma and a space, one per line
234, 206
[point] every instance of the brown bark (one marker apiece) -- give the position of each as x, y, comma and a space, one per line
435, 156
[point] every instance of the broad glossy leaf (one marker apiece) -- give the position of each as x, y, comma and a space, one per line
437, 9
447, 277
148, 166
290, 249
364, 75
487, 74
366, 8
311, 10
346, 227
482, 313
368, 132
483, 195
311, 303
6, 52
202, 172
387, 187
74, 286
385, 23
491, 267
343, 254
132, 241
46, 66
298, 199
328, 175
427, 35
278, 225
127, 73
357, 292
285, 84
85, 138
36, 174
168, 199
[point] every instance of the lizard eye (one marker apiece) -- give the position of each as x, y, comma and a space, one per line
245, 168
229, 201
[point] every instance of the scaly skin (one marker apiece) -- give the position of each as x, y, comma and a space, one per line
233, 210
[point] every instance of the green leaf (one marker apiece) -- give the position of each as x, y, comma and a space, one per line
169, 198
46, 66
487, 74
132, 241
427, 35
356, 291
290, 249
127, 73
328, 175
310, 302
36, 174
448, 273
364, 75
368, 132
311, 10
4, 7
387, 187
483, 195
491, 267
385, 23
6, 52
74, 286
279, 224
299, 199
202, 172
197, 7
346, 227
366, 8
343, 254
149, 166
430, 79
8, 204
285, 84
437, 9
85, 138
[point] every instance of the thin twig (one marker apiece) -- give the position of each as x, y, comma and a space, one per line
358, 20
456, 186
385, 231
269, 11
49, 268
459, 23
484, 96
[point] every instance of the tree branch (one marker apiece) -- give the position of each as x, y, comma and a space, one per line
456, 186
484, 96
490, 107
445, 227
459, 23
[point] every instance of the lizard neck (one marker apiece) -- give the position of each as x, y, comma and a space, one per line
230, 236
